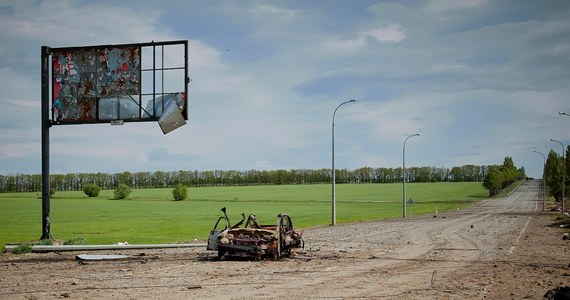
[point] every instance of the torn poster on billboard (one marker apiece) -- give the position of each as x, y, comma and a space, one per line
82, 76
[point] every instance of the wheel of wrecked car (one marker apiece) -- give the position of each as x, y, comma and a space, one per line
221, 253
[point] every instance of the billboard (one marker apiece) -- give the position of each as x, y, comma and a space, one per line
104, 84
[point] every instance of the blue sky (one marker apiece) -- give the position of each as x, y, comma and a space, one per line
478, 79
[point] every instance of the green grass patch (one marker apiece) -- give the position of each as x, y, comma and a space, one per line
22, 249
151, 215
76, 241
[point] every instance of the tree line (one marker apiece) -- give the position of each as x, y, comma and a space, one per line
500, 176
160, 179
553, 175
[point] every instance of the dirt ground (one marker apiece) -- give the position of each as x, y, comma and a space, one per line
502, 249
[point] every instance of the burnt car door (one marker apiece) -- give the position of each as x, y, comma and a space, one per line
214, 233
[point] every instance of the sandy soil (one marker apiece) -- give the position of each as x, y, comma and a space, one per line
502, 249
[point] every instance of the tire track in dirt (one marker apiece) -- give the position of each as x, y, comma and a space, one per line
427, 249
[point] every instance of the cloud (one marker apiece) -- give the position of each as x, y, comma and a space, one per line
63, 21
561, 48
392, 33
163, 154
273, 11
16, 150
550, 29
436, 6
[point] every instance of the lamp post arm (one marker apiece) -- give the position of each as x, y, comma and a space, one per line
404, 174
333, 213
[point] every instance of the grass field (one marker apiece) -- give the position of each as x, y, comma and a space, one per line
151, 216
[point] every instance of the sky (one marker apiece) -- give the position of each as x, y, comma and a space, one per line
479, 80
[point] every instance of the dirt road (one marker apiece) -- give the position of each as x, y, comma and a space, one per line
502, 249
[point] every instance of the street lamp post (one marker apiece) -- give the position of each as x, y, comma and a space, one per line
404, 174
543, 179
563, 170
333, 221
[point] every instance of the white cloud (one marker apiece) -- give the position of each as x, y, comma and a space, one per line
274, 11
550, 29
392, 33
16, 85
203, 56
66, 23
435, 6
16, 150
561, 48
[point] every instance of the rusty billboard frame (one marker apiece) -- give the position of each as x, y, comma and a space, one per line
62, 62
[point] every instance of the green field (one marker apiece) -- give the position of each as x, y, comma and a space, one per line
151, 216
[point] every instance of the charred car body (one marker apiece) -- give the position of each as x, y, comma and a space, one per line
253, 239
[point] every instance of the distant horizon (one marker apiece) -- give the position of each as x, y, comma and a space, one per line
245, 170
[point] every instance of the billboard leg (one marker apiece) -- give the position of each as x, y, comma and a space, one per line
46, 234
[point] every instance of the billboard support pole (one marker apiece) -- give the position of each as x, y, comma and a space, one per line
46, 123
48, 101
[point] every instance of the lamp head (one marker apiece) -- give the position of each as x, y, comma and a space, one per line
352, 100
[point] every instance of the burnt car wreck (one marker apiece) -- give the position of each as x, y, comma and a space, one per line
254, 240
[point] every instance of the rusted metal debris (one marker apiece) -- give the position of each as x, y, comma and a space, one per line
254, 240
